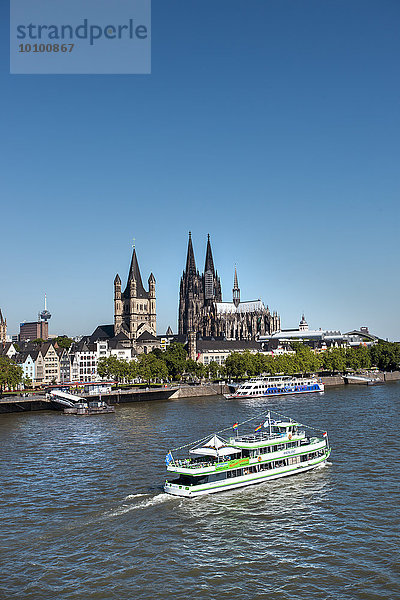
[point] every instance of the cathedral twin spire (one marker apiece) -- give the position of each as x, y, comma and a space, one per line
190, 261
202, 312
210, 274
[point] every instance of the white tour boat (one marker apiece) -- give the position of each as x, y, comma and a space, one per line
275, 449
262, 387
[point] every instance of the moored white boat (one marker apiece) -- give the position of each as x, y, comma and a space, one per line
260, 387
275, 449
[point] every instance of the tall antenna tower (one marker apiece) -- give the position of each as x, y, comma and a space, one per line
45, 314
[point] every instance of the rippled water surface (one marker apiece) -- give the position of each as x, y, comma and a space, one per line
84, 517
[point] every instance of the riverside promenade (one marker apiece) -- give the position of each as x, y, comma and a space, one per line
15, 403
11, 404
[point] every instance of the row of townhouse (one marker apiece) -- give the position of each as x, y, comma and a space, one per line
49, 364
43, 365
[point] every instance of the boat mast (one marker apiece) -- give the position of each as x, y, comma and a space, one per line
269, 419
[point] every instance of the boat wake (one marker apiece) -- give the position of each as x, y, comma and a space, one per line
132, 496
144, 503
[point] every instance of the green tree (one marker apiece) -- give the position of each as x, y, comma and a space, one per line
238, 364
27, 382
194, 369
175, 358
113, 368
10, 373
212, 370
385, 355
63, 341
334, 360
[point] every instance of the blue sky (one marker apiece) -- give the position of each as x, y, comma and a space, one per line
271, 125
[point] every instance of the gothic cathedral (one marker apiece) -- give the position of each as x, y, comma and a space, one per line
202, 312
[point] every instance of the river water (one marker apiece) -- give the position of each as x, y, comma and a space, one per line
84, 517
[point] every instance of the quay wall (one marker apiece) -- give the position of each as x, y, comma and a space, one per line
332, 380
383, 376
392, 376
192, 391
12, 404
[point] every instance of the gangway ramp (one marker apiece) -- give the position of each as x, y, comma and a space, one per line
65, 398
361, 379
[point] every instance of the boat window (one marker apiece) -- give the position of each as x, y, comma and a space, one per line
234, 473
217, 476
279, 447
187, 480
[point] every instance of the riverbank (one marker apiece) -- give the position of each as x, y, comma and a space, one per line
379, 376
15, 404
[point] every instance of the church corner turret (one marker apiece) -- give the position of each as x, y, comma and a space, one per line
117, 305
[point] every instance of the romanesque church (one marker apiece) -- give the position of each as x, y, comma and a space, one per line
134, 308
202, 311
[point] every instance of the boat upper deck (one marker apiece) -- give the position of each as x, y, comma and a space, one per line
257, 439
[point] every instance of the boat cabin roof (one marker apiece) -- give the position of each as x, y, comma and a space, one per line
225, 451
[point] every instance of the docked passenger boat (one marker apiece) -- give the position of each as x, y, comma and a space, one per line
261, 387
88, 409
274, 449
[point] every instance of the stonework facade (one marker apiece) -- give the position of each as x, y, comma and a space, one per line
134, 308
201, 310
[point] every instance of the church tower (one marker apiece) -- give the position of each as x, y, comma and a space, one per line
135, 308
191, 295
303, 325
212, 283
3, 329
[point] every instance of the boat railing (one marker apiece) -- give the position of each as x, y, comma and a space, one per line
188, 463
251, 439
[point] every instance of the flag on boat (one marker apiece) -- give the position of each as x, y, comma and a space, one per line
258, 428
169, 458
325, 434
235, 425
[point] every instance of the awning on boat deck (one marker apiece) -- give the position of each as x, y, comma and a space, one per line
215, 447
225, 451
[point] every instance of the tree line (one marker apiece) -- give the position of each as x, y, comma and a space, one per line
174, 364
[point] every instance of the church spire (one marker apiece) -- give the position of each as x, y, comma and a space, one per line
190, 262
236, 290
135, 276
209, 266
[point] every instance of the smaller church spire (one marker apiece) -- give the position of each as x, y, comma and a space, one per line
236, 290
